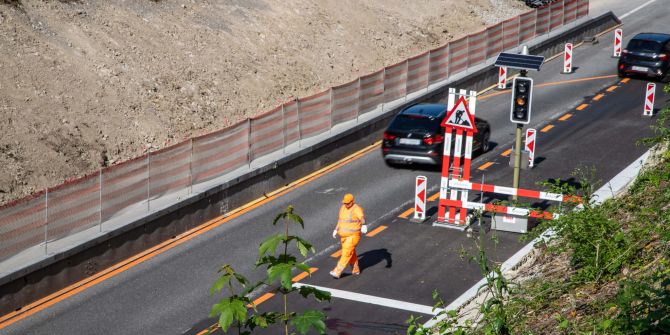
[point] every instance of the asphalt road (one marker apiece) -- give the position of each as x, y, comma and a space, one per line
169, 293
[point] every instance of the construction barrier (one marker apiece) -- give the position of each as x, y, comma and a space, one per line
649, 100
567, 58
502, 77
618, 37
531, 144
420, 198
89, 201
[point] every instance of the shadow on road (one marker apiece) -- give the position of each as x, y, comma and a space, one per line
372, 257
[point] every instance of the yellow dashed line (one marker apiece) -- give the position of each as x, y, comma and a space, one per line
376, 231
262, 299
565, 117
611, 88
434, 197
302, 275
485, 166
507, 152
337, 254
582, 106
598, 97
625, 80
547, 128
406, 213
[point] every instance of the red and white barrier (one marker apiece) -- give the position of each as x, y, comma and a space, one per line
567, 58
502, 77
464, 184
618, 36
649, 100
531, 145
420, 198
502, 209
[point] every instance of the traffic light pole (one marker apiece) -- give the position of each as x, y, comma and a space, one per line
517, 150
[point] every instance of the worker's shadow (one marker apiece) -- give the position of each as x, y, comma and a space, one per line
372, 257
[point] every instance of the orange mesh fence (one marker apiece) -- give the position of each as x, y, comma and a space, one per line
124, 185
458, 55
527, 26
22, 224
439, 64
267, 133
345, 102
477, 48
220, 152
73, 207
417, 72
395, 81
372, 91
556, 15
314, 114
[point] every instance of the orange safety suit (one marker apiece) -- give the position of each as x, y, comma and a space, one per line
349, 228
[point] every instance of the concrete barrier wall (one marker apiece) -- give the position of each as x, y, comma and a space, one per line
43, 278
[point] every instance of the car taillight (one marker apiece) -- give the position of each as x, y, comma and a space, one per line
433, 139
663, 57
389, 137
621, 66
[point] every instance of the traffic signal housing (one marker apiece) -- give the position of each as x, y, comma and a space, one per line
522, 97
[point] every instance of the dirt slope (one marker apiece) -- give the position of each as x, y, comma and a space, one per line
86, 84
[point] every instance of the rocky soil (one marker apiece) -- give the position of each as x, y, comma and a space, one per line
86, 83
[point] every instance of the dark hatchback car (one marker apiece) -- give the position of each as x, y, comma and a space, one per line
415, 136
646, 54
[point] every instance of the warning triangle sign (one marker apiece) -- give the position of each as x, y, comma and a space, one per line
460, 117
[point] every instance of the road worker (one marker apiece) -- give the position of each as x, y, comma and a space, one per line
350, 225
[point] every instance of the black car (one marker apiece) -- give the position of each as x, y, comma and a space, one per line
646, 54
415, 135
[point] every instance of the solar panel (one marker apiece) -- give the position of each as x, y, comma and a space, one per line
517, 61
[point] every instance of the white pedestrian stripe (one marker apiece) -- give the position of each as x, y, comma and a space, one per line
369, 299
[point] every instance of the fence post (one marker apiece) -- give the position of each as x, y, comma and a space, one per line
358, 101
383, 88
46, 220
330, 126
283, 129
297, 107
100, 198
190, 169
148, 180
249, 143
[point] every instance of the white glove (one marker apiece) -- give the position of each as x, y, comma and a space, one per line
335, 233
364, 229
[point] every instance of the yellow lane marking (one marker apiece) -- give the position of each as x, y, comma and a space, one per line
483, 97
337, 254
625, 80
302, 276
565, 117
434, 197
547, 128
261, 299
485, 166
376, 231
582, 106
507, 152
148, 254
611, 88
598, 97
406, 213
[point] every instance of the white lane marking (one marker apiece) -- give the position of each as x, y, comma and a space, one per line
636, 9
369, 299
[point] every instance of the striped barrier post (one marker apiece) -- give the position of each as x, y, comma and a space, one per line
502, 77
618, 35
502, 209
649, 100
420, 198
520, 192
531, 145
567, 59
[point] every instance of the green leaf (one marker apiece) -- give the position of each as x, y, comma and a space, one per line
283, 272
295, 218
302, 248
270, 244
319, 295
229, 310
220, 283
308, 320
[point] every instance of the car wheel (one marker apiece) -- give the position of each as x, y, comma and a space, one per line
621, 74
486, 144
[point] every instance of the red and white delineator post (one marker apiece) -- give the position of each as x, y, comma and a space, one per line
649, 100
420, 198
567, 58
502, 77
618, 37
531, 145
456, 126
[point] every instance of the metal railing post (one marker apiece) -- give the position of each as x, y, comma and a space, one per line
100, 198
190, 169
46, 220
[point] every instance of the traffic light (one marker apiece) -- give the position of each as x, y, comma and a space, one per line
522, 97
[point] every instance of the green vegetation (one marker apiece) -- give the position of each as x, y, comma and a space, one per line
605, 270
237, 309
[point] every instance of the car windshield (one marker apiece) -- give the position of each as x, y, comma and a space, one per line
644, 46
414, 122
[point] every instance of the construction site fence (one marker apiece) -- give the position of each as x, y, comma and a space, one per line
87, 202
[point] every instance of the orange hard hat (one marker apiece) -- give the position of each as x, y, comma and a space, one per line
348, 198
